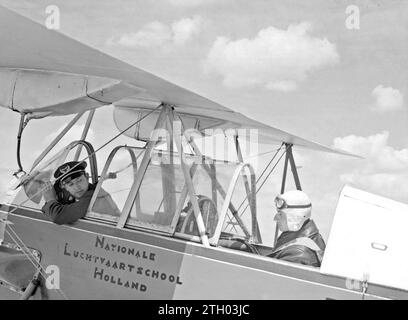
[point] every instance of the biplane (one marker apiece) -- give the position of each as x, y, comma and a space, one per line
188, 226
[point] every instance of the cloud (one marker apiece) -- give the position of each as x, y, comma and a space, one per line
384, 170
380, 182
157, 34
375, 149
276, 59
73, 134
387, 99
285, 86
151, 35
184, 29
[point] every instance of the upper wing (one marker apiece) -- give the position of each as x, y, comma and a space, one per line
44, 73
26, 44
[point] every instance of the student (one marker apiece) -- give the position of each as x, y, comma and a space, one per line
72, 179
300, 241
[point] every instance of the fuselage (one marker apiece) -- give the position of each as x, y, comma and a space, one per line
100, 261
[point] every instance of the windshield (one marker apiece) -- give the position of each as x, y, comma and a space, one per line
31, 193
162, 201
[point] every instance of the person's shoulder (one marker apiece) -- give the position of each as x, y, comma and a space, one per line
300, 254
297, 249
319, 240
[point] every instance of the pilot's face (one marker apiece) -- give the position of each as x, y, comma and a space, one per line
282, 220
77, 186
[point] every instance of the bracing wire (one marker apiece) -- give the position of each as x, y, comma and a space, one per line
270, 172
37, 265
87, 157
263, 182
14, 236
263, 172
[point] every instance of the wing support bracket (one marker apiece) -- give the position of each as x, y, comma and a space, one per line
23, 123
288, 159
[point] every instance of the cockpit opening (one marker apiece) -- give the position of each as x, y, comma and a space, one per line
163, 189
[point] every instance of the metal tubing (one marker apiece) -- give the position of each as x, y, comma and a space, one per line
219, 188
189, 182
142, 170
56, 140
85, 132
20, 132
293, 167
283, 185
105, 170
250, 197
28, 292
231, 188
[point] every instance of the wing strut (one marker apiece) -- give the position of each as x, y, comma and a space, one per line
255, 227
288, 159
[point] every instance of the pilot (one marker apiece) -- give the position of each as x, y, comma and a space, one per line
68, 199
300, 241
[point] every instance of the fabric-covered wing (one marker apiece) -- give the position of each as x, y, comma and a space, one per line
29, 45
45, 73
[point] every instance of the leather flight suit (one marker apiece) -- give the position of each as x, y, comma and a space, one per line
297, 252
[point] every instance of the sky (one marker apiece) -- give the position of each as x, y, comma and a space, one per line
333, 72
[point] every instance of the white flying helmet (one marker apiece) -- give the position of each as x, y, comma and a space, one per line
294, 208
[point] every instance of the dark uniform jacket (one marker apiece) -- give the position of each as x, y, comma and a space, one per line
61, 213
300, 253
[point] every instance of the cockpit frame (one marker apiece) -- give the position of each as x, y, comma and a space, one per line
175, 135
164, 122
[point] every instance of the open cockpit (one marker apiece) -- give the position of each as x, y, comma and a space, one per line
161, 188
159, 201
